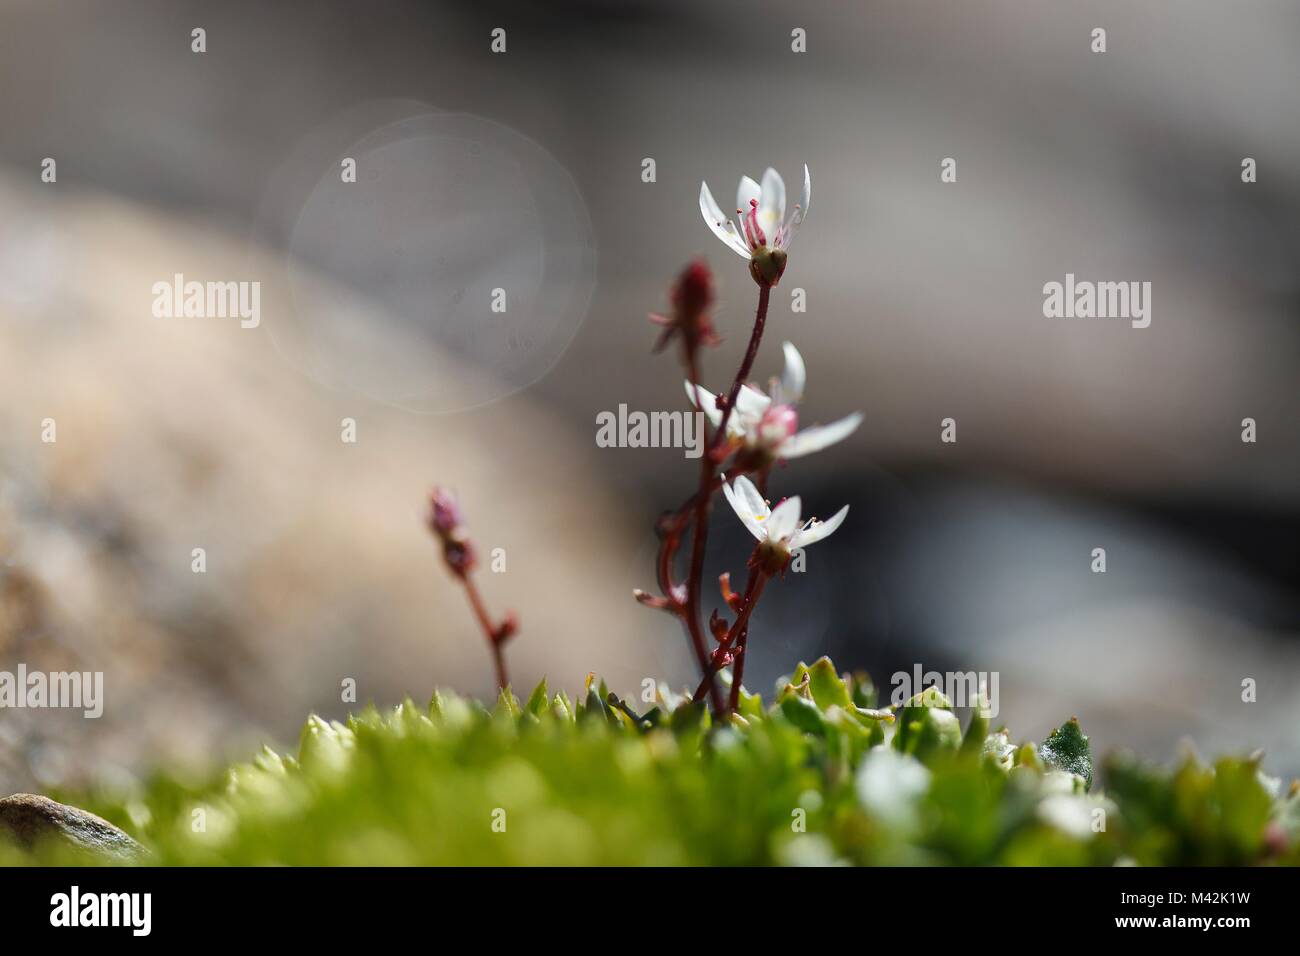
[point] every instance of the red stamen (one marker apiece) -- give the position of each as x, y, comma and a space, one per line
752, 227
744, 227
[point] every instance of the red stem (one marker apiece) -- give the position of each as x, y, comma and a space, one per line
738, 634
697, 508
738, 671
755, 337
699, 538
691, 613
489, 630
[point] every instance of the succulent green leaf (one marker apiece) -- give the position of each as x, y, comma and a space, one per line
1066, 748
537, 700
828, 689
803, 713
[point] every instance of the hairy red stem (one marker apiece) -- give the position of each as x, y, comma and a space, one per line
738, 672
490, 631
736, 635
751, 353
693, 580
709, 462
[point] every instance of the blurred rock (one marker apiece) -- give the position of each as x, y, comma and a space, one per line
29, 819
176, 434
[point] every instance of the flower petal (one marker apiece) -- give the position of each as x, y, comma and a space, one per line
722, 227
819, 436
817, 530
787, 232
751, 405
771, 207
794, 376
784, 520
747, 190
739, 499
710, 409
753, 500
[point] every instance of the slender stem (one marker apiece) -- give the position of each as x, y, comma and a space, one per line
738, 632
742, 374
489, 630
738, 671
476, 603
499, 661
709, 462
691, 611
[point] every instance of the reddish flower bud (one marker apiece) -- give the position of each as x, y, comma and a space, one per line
718, 626
778, 424
447, 522
691, 296
693, 292
445, 516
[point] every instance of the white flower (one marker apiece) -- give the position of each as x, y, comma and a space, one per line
768, 425
780, 528
761, 213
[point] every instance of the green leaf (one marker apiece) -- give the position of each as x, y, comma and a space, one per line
803, 714
940, 732
1066, 748
593, 707
828, 689
914, 717
1244, 805
537, 700
1027, 757
862, 690
977, 731
562, 707
750, 705
687, 717
507, 702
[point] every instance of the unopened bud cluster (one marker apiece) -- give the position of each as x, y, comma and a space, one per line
447, 523
691, 297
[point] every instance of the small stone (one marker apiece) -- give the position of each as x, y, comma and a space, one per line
29, 819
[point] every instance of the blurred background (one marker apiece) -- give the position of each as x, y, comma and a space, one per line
522, 170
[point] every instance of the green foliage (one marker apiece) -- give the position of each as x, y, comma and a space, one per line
1066, 748
818, 776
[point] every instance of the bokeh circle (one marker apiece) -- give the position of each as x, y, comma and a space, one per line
454, 271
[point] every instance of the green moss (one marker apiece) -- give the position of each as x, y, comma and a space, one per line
818, 776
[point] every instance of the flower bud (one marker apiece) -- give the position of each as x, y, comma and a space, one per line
778, 424
445, 517
691, 297
447, 522
693, 292
767, 265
